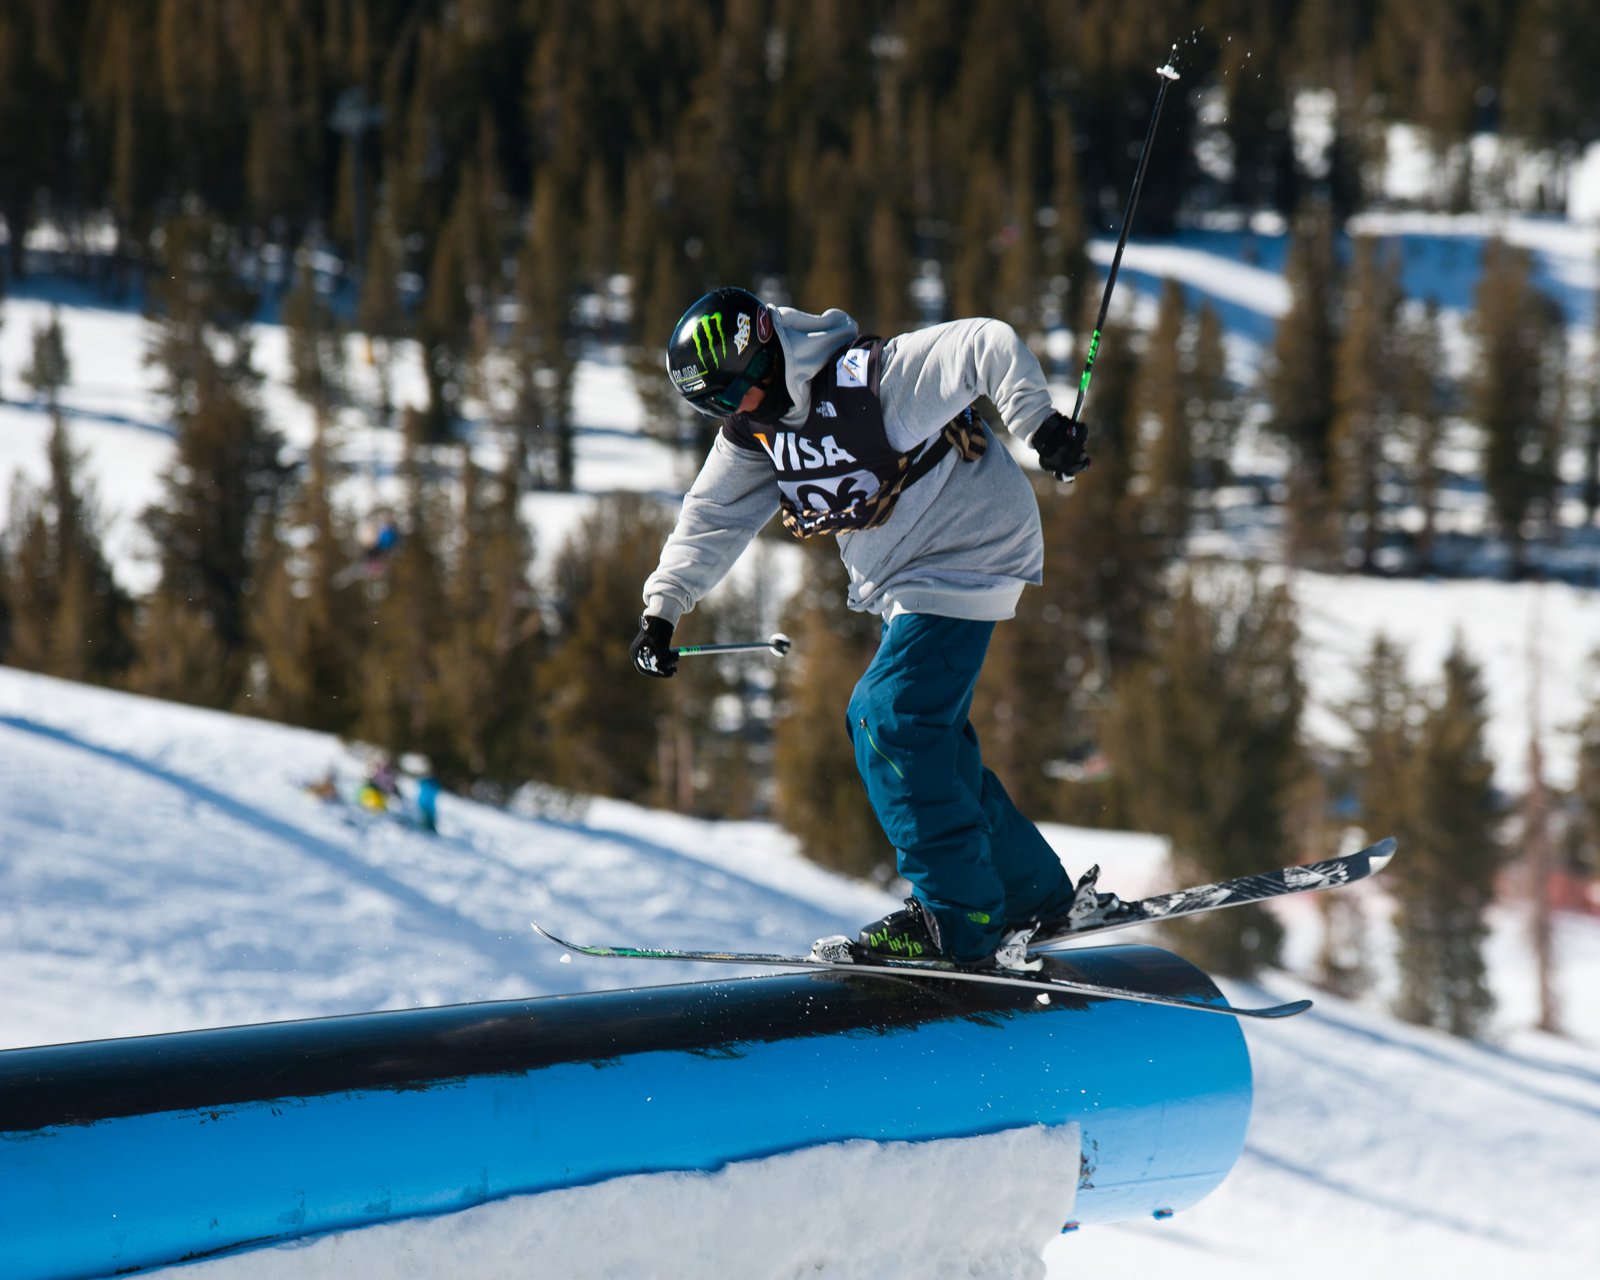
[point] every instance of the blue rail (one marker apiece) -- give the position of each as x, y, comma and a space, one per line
121, 1155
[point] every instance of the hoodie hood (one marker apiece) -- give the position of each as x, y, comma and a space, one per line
808, 341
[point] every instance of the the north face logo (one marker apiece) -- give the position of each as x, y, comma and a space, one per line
826, 410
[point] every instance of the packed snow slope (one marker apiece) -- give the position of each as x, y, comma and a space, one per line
161, 867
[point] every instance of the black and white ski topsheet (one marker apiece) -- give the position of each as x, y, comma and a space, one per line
1184, 902
1236, 892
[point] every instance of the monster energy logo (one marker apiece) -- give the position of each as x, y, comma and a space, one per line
704, 326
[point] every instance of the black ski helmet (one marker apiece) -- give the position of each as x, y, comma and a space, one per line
721, 347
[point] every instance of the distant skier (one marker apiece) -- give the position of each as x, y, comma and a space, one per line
420, 767
380, 787
379, 537
880, 443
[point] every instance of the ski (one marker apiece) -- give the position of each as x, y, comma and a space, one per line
887, 967
1309, 878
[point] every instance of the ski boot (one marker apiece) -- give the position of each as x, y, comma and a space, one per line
910, 933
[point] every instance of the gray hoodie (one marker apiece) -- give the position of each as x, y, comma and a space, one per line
961, 542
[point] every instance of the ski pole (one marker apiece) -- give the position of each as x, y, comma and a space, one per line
1168, 74
778, 643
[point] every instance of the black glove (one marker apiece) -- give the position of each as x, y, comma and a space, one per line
1061, 441
652, 648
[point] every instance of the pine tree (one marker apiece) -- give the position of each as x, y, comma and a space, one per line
201, 310
667, 416
316, 344
409, 615
603, 721
66, 614
125, 128
444, 324
1517, 395
223, 487
1215, 403
1111, 576
719, 153
1164, 401
1424, 396
1206, 735
1445, 882
1065, 246
380, 311
888, 250
1300, 384
278, 103
1425, 63
199, 77
1383, 719
1018, 269
543, 357
483, 692
307, 619
36, 95
1025, 710
221, 494
50, 369
1265, 174
982, 213
1549, 91
1366, 396
180, 656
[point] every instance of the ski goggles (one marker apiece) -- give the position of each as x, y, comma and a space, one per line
720, 401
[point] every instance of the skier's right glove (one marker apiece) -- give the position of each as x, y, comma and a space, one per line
1060, 442
652, 648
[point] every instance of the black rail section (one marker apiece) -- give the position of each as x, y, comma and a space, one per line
422, 1048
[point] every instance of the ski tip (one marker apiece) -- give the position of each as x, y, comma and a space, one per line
1379, 854
1292, 1008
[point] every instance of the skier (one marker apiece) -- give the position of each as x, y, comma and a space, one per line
881, 443
379, 537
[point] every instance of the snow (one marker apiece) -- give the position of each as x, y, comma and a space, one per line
161, 868
1509, 629
836, 1211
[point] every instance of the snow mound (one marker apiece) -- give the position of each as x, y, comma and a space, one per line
984, 1209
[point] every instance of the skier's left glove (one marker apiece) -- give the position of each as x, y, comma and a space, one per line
1061, 443
652, 648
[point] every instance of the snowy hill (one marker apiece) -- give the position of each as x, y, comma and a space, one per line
161, 867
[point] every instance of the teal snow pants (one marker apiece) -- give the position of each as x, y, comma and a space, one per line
971, 857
